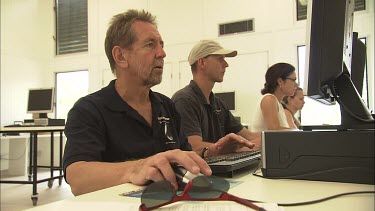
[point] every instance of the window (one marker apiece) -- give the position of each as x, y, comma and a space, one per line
70, 86
71, 26
301, 52
302, 8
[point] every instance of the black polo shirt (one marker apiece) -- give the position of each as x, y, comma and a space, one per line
211, 121
103, 127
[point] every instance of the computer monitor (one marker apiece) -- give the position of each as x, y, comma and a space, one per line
229, 98
329, 48
357, 73
40, 101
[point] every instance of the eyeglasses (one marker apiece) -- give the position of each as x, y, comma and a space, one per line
201, 188
292, 79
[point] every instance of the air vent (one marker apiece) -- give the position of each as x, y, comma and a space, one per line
236, 27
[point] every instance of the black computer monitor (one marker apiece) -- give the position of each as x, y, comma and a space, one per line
357, 73
229, 98
329, 48
40, 101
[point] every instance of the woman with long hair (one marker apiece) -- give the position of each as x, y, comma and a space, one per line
280, 82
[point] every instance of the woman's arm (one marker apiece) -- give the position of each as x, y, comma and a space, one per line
289, 118
270, 109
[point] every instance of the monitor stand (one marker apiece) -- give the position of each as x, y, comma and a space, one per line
43, 115
354, 113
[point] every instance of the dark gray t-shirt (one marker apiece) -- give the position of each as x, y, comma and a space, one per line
210, 121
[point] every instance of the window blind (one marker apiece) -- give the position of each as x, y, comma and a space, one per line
71, 26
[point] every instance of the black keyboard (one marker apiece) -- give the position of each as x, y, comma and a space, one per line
233, 161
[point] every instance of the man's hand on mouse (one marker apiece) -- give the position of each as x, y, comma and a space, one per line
158, 167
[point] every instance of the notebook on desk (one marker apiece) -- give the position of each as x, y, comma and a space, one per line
228, 163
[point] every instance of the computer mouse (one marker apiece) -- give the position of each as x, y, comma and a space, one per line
183, 175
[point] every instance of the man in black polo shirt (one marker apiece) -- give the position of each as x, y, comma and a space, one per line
125, 132
206, 120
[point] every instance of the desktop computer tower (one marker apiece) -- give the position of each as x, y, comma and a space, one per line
44, 122
49, 122
335, 156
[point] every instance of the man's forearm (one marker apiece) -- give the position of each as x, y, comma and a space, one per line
198, 145
85, 177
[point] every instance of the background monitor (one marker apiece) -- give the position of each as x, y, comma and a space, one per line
357, 73
228, 98
40, 101
329, 54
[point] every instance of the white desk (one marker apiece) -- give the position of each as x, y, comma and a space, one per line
33, 160
255, 188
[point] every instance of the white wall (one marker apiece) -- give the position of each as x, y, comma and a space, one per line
26, 54
27, 46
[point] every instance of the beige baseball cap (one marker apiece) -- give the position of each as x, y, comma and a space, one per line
208, 47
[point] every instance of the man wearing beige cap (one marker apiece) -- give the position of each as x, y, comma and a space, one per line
206, 121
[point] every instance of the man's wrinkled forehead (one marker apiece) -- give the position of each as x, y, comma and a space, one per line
146, 32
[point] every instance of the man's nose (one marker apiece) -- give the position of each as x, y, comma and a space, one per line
160, 52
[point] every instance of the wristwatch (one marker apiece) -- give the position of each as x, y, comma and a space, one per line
204, 151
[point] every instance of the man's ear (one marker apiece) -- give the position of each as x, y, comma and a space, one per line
200, 62
119, 56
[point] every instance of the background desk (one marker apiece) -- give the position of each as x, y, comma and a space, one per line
33, 159
252, 187
15, 153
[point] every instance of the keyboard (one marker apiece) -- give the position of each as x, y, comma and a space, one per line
229, 162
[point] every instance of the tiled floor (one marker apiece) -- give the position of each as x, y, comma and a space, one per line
15, 197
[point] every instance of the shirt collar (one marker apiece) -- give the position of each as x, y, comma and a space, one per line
194, 86
114, 102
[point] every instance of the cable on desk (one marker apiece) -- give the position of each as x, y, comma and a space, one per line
297, 176
306, 202
257, 168
318, 200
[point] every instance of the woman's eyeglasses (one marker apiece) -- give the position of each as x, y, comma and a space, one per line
201, 188
292, 79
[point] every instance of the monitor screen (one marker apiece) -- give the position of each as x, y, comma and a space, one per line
228, 98
40, 100
329, 47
